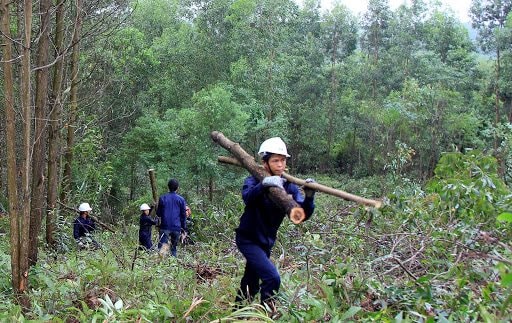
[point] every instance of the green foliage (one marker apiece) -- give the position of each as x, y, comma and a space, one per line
408, 261
469, 185
293, 72
92, 174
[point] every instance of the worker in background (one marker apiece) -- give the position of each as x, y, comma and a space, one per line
172, 213
146, 224
260, 221
83, 227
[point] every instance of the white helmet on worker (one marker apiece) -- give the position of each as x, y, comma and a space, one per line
144, 207
273, 145
84, 207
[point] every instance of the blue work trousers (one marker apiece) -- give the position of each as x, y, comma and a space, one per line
258, 267
173, 236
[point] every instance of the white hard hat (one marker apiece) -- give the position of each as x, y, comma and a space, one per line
144, 207
84, 207
273, 145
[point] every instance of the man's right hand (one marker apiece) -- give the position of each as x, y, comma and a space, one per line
272, 181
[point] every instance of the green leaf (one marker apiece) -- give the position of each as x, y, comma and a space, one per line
350, 312
506, 280
507, 217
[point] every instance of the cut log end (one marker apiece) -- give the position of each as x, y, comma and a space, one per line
297, 215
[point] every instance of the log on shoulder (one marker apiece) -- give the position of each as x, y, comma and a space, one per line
316, 186
285, 202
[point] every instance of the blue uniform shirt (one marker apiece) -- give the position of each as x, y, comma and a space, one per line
83, 226
261, 218
146, 223
171, 211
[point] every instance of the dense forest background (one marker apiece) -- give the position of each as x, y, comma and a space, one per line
399, 105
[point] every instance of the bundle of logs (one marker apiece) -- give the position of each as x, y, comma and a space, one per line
279, 196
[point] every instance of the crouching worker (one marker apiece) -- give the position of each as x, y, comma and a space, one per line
145, 223
83, 227
257, 232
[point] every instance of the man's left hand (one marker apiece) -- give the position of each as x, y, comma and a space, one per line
309, 192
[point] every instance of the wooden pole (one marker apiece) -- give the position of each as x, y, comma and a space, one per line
154, 191
285, 202
316, 186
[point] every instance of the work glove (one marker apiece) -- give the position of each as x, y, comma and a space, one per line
183, 236
309, 192
272, 181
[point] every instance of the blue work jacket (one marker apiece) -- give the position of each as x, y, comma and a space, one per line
171, 211
146, 223
262, 217
83, 226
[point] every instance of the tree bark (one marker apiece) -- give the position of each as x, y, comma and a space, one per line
333, 96
55, 125
154, 190
40, 132
286, 203
10, 139
318, 187
67, 177
26, 174
497, 100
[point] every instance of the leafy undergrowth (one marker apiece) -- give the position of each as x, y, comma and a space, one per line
437, 254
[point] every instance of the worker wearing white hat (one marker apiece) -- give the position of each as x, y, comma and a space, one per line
145, 227
83, 226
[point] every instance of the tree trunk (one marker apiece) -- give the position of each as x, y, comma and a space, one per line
286, 203
40, 132
55, 125
154, 190
67, 178
10, 139
26, 107
333, 99
497, 99
133, 180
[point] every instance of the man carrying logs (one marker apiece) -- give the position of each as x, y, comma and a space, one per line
256, 234
269, 195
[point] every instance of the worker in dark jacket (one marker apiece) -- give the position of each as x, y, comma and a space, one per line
145, 227
83, 226
172, 213
256, 234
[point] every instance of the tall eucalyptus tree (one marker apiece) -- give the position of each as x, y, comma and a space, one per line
489, 18
340, 40
40, 129
375, 40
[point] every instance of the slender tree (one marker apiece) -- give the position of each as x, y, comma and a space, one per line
55, 104
26, 170
73, 104
489, 18
10, 136
341, 32
375, 38
40, 130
